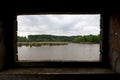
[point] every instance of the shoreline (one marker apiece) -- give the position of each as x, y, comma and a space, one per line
19, 44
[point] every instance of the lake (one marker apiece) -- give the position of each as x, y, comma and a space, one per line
70, 52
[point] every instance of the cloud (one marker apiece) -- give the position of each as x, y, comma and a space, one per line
58, 24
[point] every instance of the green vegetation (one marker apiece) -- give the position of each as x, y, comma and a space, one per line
49, 38
87, 39
39, 40
22, 39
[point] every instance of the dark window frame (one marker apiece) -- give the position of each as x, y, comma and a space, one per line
104, 47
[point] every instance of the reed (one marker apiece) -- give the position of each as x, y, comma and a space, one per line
41, 43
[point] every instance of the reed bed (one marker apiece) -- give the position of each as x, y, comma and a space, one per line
41, 43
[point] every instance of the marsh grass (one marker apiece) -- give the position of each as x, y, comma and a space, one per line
38, 44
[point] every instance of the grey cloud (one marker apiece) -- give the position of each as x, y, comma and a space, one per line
58, 24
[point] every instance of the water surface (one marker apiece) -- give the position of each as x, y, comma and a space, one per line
70, 52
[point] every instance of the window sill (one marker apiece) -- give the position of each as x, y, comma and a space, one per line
56, 71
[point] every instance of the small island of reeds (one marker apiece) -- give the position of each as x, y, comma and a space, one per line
40, 43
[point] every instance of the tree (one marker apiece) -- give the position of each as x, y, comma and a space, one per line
22, 39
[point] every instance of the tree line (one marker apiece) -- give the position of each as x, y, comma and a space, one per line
53, 38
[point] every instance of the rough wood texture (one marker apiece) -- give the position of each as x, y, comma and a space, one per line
115, 42
2, 46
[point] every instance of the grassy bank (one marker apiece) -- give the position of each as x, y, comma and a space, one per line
41, 43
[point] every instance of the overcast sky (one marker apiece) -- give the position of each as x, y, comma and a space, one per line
68, 25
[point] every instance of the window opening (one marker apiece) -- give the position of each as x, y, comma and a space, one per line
58, 37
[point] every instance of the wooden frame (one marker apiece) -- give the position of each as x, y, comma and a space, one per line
104, 46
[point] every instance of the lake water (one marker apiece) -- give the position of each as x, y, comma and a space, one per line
70, 52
